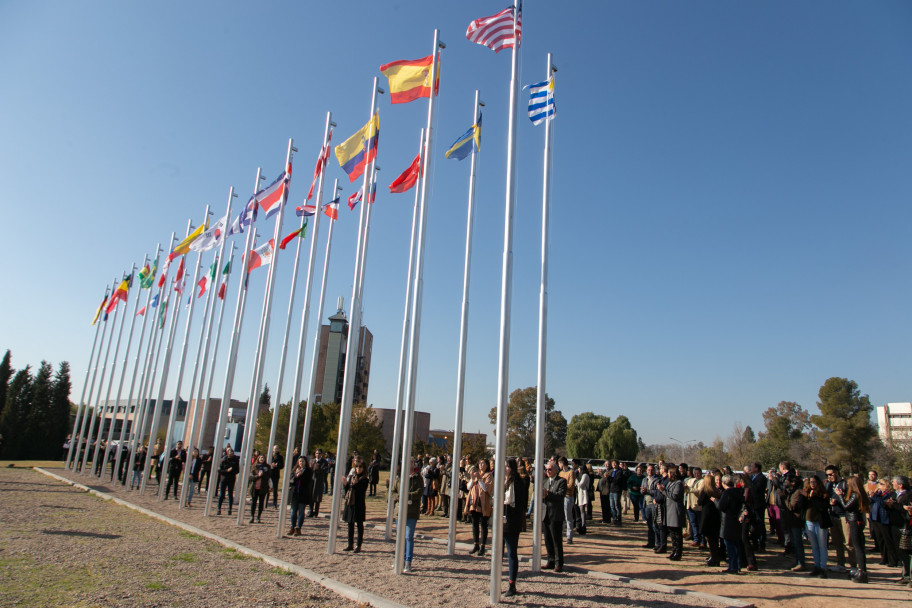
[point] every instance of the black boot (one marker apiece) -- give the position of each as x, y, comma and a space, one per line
511, 591
474, 549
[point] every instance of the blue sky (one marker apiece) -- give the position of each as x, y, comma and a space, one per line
730, 199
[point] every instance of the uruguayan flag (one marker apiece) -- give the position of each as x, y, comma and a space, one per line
541, 101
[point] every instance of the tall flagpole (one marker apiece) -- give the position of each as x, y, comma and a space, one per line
506, 303
123, 377
318, 338
542, 342
218, 331
158, 404
239, 307
463, 342
412, 381
354, 331
104, 405
252, 406
131, 413
201, 353
181, 362
82, 439
302, 340
146, 380
403, 354
85, 384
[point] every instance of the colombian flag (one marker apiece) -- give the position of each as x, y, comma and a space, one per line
358, 150
410, 79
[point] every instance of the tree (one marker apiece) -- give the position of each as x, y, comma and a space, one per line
845, 421
265, 397
619, 440
714, 456
785, 424
324, 427
521, 413
366, 434
59, 424
740, 444
14, 421
264, 425
473, 447
583, 434
6, 372
37, 429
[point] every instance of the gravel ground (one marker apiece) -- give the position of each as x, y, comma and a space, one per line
439, 580
62, 547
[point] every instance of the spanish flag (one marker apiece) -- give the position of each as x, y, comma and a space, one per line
410, 79
119, 295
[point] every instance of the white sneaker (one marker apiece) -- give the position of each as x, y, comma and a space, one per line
408, 567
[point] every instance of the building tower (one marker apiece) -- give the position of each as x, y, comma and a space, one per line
331, 361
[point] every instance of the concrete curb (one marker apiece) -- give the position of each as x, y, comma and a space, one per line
346, 591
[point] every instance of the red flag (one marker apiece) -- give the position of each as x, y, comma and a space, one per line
302, 231
409, 177
321, 164
221, 291
331, 209
179, 275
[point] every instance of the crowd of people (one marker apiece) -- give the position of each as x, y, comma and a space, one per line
731, 517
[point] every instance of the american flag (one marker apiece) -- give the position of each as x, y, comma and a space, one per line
499, 31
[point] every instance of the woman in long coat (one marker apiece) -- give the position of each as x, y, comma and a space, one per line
354, 510
675, 515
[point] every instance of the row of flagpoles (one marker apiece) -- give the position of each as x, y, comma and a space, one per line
408, 80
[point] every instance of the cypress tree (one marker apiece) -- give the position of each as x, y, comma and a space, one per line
6, 372
14, 419
38, 416
60, 423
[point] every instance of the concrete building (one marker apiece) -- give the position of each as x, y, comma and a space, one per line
331, 360
442, 438
387, 418
894, 422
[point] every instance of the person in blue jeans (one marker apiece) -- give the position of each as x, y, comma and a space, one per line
617, 483
730, 504
300, 494
413, 512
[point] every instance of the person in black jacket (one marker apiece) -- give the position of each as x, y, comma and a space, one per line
259, 487
758, 483
276, 464
354, 509
176, 460
554, 489
513, 517
730, 505
193, 473
854, 501
300, 494
900, 515
228, 472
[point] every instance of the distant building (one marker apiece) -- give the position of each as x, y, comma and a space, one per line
442, 438
387, 418
894, 422
331, 360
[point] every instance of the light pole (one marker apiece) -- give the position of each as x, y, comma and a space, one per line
683, 444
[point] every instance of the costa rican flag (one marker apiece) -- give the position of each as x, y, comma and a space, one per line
271, 197
354, 199
306, 210
331, 209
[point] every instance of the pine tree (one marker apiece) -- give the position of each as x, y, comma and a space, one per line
60, 423
6, 372
15, 413
37, 427
847, 434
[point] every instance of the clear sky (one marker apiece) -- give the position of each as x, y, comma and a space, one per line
730, 210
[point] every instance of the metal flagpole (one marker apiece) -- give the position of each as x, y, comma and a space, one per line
182, 360
83, 441
131, 414
542, 343
107, 401
146, 380
302, 340
252, 406
85, 385
463, 341
506, 302
104, 405
202, 429
311, 394
412, 381
123, 377
351, 346
166, 364
218, 440
205, 336
403, 353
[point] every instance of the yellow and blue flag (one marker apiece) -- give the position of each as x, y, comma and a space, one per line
468, 143
358, 150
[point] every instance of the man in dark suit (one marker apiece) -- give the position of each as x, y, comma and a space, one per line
553, 492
